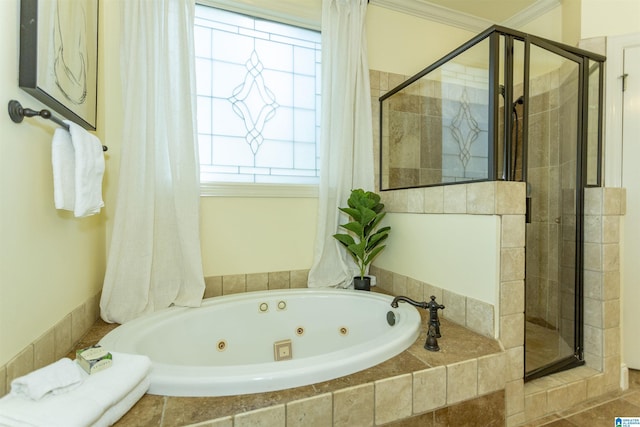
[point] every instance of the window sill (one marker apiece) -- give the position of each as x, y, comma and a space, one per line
232, 189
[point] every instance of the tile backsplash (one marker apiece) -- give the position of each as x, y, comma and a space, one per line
54, 344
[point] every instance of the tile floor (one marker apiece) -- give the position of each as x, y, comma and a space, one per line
600, 412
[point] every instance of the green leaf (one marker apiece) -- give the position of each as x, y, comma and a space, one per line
374, 224
367, 215
353, 213
345, 239
355, 228
373, 254
376, 239
358, 250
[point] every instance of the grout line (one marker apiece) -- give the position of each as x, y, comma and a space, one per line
164, 407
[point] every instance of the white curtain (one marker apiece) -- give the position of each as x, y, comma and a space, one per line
154, 259
346, 159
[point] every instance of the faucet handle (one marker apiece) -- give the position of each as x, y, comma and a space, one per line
433, 302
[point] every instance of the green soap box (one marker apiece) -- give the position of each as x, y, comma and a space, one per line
94, 359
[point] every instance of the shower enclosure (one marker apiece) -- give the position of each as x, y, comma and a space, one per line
511, 106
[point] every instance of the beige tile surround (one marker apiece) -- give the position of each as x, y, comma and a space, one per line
427, 384
54, 344
381, 401
603, 208
473, 314
506, 200
446, 379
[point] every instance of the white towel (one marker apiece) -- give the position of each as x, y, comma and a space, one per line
78, 168
101, 399
114, 413
64, 165
56, 378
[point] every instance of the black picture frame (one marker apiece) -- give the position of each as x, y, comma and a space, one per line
59, 56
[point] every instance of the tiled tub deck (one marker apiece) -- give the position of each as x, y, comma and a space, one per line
463, 381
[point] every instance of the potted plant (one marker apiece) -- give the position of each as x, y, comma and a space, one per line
363, 242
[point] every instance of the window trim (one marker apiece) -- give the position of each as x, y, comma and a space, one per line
242, 189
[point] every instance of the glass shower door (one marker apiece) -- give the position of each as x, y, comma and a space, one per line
553, 239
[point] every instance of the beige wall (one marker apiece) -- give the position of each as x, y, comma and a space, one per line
550, 25
609, 18
432, 249
258, 235
597, 18
50, 262
403, 44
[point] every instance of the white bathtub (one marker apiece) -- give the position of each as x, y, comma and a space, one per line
226, 346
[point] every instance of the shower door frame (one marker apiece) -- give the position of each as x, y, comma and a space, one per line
582, 60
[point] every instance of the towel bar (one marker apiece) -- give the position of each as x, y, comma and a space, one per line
17, 113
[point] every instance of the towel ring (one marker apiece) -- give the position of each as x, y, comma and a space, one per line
17, 114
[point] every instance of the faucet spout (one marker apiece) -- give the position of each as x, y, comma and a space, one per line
397, 299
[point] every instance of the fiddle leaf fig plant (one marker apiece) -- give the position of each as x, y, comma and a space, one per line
363, 242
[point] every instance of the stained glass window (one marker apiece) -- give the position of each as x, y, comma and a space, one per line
258, 92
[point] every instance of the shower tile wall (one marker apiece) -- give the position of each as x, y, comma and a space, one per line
565, 208
417, 107
550, 278
450, 114
543, 232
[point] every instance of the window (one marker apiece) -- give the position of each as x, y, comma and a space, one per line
258, 94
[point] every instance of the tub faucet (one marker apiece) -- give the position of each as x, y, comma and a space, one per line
434, 321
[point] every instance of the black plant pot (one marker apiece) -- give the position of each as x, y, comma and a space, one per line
362, 283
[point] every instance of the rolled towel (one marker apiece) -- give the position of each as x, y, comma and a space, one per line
100, 400
59, 377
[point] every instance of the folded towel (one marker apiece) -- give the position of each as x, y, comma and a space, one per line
63, 162
78, 168
114, 413
100, 398
56, 378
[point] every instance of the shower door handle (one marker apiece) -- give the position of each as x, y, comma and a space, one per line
527, 214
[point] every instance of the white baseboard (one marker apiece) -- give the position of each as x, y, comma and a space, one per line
624, 376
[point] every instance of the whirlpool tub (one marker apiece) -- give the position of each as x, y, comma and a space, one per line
268, 340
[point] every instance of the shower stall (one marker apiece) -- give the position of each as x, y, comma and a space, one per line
511, 106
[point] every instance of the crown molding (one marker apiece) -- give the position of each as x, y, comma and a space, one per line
539, 8
434, 12
444, 15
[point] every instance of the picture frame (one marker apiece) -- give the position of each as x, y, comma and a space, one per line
59, 56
